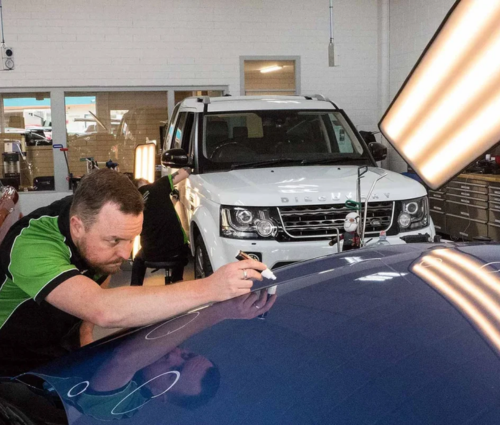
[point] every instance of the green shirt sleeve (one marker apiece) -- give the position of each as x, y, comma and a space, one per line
40, 260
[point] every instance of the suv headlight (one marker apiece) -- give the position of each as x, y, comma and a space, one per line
414, 214
247, 223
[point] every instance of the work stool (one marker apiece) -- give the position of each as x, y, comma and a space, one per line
168, 266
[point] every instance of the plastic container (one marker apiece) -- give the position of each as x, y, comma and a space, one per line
382, 240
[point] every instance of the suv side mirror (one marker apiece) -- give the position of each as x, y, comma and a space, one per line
378, 150
175, 158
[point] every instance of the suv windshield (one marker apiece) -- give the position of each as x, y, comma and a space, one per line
238, 140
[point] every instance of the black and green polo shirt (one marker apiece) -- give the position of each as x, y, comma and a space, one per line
37, 255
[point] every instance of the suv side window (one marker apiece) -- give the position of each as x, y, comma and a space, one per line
182, 132
179, 130
170, 132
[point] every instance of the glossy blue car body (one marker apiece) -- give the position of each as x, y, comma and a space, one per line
406, 334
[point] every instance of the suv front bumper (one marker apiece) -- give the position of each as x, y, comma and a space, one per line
275, 253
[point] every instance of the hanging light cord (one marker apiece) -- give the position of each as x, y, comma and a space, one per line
331, 20
1, 23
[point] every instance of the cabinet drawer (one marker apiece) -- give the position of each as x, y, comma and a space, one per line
463, 229
436, 195
467, 194
494, 190
466, 201
437, 205
439, 220
494, 231
494, 216
467, 211
494, 206
474, 187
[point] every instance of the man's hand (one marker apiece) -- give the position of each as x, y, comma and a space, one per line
245, 307
86, 333
234, 279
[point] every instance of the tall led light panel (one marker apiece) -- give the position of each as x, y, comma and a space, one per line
448, 111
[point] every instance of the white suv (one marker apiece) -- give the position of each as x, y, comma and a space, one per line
271, 176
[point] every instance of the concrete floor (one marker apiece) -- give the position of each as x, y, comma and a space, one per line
122, 278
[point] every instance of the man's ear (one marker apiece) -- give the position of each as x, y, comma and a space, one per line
77, 227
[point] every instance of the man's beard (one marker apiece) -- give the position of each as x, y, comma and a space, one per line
101, 269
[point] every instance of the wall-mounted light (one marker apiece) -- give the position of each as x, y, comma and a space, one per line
144, 168
145, 162
271, 69
446, 113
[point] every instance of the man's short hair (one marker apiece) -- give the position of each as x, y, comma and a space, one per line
209, 386
100, 187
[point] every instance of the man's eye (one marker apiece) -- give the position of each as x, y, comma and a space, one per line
114, 242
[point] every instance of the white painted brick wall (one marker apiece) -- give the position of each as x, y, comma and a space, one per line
193, 42
412, 25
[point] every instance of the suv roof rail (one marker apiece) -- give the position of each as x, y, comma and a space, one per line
204, 99
317, 97
320, 97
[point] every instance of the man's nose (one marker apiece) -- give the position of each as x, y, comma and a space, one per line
125, 250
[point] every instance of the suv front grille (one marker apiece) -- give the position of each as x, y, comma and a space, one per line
320, 221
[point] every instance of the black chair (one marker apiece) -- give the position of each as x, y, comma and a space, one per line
217, 133
240, 133
44, 183
168, 266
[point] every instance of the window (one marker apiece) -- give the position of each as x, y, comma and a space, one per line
26, 141
267, 135
106, 126
274, 77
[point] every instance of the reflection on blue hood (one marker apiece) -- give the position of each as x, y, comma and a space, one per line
402, 334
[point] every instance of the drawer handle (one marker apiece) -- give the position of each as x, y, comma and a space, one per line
436, 208
464, 193
496, 192
497, 221
465, 201
464, 213
465, 187
437, 227
463, 234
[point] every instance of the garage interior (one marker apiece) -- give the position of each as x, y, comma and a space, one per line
110, 78
225, 94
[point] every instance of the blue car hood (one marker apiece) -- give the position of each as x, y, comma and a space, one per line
403, 334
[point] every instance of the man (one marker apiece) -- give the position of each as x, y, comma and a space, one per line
162, 236
53, 261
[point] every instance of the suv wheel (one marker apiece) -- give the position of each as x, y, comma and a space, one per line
202, 266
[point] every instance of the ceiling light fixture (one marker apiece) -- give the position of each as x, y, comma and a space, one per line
271, 68
446, 113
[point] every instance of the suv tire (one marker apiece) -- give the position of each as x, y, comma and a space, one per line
202, 266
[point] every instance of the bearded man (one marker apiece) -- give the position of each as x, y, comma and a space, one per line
55, 265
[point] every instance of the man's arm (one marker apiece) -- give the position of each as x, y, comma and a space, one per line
87, 328
180, 175
138, 306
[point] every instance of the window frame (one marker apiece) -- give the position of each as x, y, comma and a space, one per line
295, 59
58, 116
